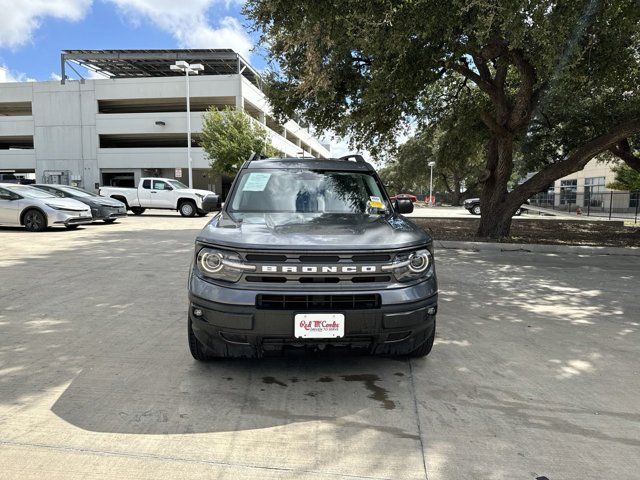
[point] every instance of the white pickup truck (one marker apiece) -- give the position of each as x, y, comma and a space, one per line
162, 193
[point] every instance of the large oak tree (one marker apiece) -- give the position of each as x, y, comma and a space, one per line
559, 79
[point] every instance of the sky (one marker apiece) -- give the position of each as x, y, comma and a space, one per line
33, 32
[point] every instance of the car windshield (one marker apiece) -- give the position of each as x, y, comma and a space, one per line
313, 192
77, 192
177, 185
29, 192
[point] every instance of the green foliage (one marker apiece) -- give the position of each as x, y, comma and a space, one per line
366, 68
229, 137
626, 178
549, 84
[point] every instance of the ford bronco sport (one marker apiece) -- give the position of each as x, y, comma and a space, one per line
311, 253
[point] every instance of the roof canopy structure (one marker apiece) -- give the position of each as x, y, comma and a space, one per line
156, 63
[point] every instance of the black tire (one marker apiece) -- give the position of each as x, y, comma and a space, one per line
187, 208
424, 349
475, 210
71, 227
108, 220
197, 349
138, 210
34, 221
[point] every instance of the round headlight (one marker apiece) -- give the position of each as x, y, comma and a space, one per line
419, 261
211, 262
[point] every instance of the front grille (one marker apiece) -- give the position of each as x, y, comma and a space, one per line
318, 302
73, 221
318, 260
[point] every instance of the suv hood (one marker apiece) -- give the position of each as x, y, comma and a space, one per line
106, 201
320, 232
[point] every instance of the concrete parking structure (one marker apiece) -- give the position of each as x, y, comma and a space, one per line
534, 373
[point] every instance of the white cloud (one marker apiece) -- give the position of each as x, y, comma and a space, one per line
187, 21
21, 19
7, 75
55, 76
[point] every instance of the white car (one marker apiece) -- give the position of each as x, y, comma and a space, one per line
37, 209
161, 193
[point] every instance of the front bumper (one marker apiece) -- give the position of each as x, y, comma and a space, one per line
60, 217
391, 328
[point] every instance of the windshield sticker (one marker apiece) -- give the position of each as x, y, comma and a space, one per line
256, 182
375, 202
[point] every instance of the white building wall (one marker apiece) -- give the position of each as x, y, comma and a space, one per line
66, 126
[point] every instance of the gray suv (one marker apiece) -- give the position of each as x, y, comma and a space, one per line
311, 253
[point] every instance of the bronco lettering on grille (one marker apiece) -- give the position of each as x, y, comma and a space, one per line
318, 268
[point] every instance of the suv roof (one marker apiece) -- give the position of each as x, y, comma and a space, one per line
353, 163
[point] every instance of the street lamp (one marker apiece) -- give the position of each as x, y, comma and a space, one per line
431, 164
182, 66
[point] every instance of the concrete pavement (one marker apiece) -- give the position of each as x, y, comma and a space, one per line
534, 373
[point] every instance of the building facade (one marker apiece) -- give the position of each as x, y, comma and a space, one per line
115, 130
586, 192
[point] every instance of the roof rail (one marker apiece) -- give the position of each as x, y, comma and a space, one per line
256, 156
357, 158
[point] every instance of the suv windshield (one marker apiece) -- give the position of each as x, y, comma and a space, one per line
307, 192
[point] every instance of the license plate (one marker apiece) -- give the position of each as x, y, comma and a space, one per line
319, 325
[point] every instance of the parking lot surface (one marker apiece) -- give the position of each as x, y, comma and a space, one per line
534, 373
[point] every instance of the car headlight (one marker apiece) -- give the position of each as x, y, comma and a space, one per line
412, 266
222, 264
200, 196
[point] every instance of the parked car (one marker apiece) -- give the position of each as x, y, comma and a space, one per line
311, 253
160, 193
105, 209
404, 196
473, 206
13, 178
37, 209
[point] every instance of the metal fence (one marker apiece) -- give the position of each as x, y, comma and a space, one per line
590, 201
593, 201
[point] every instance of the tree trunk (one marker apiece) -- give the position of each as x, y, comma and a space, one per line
497, 206
456, 189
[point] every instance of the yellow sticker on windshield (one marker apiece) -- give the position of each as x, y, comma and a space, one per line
375, 202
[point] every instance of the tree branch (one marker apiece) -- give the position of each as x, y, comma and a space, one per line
577, 159
502, 68
525, 98
622, 150
494, 126
482, 67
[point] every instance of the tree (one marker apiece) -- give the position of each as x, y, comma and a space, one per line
627, 178
628, 150
456, 151
229, 137
557, 78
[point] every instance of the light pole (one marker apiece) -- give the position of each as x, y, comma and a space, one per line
182, 66
431, 164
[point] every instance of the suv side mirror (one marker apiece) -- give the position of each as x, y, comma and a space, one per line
212, 203
404, 206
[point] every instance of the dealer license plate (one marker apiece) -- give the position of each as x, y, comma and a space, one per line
319, 325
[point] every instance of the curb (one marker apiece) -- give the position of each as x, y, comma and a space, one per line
536, 248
